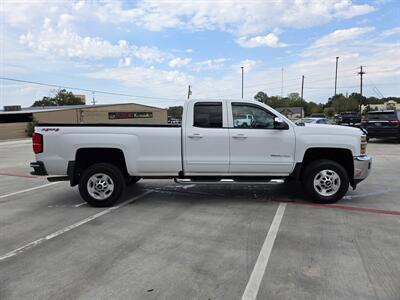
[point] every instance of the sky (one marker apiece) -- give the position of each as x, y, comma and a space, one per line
155, 49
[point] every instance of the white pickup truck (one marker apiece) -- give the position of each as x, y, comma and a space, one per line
103, 158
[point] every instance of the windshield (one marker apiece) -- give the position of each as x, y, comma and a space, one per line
390, 115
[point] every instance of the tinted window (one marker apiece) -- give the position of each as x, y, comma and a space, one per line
251, 116
208, 115
382, 116
322, 121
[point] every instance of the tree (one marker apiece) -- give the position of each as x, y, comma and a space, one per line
261, 97
60, 98
329, 112
294, 97
175, 112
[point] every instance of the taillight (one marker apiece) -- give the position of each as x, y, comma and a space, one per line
37, 143
394, 122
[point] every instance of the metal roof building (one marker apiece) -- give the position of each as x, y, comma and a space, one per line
14, 122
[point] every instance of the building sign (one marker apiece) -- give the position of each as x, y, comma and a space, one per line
129, 115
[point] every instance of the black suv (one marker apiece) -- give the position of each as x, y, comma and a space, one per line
382, 124
349, 117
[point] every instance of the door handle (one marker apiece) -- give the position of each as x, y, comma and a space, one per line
240, 136
195, 135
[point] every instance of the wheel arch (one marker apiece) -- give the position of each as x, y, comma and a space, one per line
342, 156
85, 157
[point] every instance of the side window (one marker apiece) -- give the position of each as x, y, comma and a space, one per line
322, 121
208, 115
251, 116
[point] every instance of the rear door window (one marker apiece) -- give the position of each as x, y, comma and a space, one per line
208, 115
381, 116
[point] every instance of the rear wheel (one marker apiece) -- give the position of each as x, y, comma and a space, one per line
101, 184
325, 181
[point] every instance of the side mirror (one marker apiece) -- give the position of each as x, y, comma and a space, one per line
280, 124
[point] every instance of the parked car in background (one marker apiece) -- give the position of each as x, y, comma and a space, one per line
314, 121
349, 117
244, 120
382, 124
318, 116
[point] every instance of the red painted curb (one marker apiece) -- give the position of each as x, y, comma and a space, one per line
353, 208
20, 175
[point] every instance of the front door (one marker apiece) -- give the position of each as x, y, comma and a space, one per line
206, 138
256, 147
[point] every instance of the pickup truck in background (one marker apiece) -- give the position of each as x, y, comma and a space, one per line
349, 117
209, 146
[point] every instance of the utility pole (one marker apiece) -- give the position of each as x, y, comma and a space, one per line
189, 92
361, 73
242, 79
337, 59
93, 98
302, 89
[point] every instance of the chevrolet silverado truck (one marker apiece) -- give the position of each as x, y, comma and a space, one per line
209, 146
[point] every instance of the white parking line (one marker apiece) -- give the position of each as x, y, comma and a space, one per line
68, 228
15, 142
251, 291
27, 190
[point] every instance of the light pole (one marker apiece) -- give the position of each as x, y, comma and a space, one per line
302, 89
242, 80
337, 59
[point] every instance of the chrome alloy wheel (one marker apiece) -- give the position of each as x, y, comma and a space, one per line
100, 186
327, 183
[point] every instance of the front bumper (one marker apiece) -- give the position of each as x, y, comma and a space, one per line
362, 167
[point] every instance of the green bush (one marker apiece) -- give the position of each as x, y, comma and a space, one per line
30, 128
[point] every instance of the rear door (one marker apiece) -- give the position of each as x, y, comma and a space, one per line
206, 139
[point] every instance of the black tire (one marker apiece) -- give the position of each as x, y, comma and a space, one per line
132, 180
115, 177
310, 173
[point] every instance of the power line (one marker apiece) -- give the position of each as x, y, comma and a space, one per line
89, 90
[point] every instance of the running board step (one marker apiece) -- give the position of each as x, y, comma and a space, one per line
239, 180
57, 178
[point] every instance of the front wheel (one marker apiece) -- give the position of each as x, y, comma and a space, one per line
325, 181
101, 184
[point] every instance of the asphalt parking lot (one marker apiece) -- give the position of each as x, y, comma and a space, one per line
170, 241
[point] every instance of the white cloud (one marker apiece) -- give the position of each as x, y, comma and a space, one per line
354, 10
157, 82
178, 62
247, 64
341, 35
209, 64
237, 16
392, 31
125, 62
269, 40
66, 43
